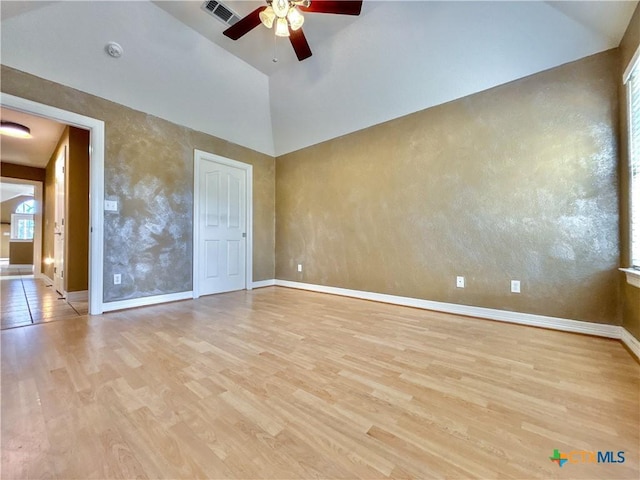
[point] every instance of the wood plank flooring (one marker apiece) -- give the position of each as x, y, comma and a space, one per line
26, 300
283, 384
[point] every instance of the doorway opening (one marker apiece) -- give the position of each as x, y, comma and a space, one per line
76, 236
47, 221
21, 232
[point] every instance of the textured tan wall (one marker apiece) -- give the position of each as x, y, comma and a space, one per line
21, 253
149, 170
518, 182
77, 211
630, 295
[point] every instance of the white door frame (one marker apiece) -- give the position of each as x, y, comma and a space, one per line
38, 217
96, 184
201, 155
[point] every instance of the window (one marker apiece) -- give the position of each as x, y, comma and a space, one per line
22, 222
27, 206
633, 89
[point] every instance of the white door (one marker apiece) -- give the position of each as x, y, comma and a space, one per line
59, 226
222, 227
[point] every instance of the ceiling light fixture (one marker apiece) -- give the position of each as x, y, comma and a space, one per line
285, 15
12, 129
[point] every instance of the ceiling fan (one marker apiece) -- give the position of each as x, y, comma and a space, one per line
288, 20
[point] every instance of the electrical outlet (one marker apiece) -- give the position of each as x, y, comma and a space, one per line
117, 279
460, 282
515, 286
111, 205
299, 267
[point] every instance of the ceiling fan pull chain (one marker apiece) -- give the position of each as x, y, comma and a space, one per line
275, 49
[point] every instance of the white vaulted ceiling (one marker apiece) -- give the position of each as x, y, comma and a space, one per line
396, 58
167, 69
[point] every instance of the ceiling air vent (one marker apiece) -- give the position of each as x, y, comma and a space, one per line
221, 12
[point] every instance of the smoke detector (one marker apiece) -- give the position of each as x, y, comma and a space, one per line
113, 49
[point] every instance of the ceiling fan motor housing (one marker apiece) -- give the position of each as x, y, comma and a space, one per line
267, 15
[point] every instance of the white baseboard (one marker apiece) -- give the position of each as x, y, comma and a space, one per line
630, 341
144, 301
553, 323
264, 283
577, 326
80, 296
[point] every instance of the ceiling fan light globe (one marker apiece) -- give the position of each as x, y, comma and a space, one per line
267, 16
282, 27
296, 19
280, 8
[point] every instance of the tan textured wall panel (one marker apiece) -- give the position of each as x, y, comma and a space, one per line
631, 39
630, 295
21, 253
149, 170
77, 216
518, 182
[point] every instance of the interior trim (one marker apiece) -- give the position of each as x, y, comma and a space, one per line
79, 296
632, 343
264, 283
633, 276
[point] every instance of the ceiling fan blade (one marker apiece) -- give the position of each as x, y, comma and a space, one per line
299, 44
342, 7
244, 25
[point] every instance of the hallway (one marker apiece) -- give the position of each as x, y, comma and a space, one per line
26, 300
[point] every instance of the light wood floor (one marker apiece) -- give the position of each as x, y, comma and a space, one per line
279, 383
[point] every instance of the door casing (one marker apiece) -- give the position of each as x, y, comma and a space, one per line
197, 157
